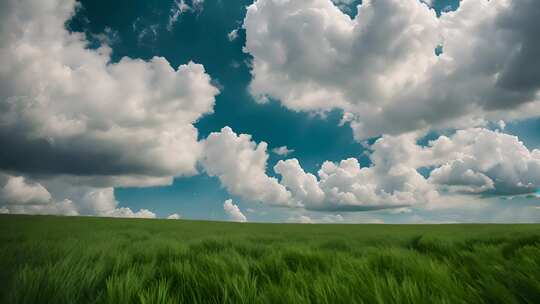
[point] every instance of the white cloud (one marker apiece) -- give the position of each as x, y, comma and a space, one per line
181, 7
98, 201
325, 219
17, 191
240, 165
471, 161
389, 183
174, 216
22, 195
4, 210
303, 186
127, 212
282, 151
102, 202
233, 211
332, 218
458, 176
384, 58
232, 35
488, 161
87, 124
374, 221
64, 207
135, 120
301, 219
366, 58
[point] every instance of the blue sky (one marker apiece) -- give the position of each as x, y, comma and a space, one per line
200, 33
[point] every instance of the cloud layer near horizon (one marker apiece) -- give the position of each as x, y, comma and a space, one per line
469, 162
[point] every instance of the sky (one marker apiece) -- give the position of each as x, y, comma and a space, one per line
313, 111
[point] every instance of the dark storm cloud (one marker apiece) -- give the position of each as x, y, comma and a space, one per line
522, 71
40, 156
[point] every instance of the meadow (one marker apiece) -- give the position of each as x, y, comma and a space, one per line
47, 259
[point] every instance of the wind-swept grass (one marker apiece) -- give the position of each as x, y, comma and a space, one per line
47, 259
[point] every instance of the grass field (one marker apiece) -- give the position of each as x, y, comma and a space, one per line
45, 259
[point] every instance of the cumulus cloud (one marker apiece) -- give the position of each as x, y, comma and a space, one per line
96, 201
391, 182
470, 161
282, 151
17, 191
365, 57
79, 124
135, 119
485, 161
240, 165
233, 211
100, 201
303, 186
459, 176
384, 58
174, 216
388, 183
347, 187
22, 195
475, 160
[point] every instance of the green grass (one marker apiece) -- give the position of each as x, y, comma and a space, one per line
45, 259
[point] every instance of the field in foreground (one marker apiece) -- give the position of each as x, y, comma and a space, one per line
96, 260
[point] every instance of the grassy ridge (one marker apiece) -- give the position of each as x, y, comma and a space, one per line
95, 260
